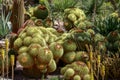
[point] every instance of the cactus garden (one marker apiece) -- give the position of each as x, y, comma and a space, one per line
59, 39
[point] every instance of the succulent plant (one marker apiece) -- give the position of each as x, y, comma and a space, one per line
38, 40
76, 71
69, 57
40, 12
74, 17
22, 49
34, 49
23, 35
69, 45
27, 40
45, 55
38, 22
113, 36
107, 24
31, 30
18, 43
69, 73
54, 31
87, 77
52, 39
116, 45
81, 56
51, 66
76, 77
98, 37
81, 67
25, 60
63, 70
5, 27
40, 66
57, 50
81, 38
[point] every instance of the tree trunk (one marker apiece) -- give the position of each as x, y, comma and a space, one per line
17, 17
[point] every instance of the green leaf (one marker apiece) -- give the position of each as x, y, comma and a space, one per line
4, 30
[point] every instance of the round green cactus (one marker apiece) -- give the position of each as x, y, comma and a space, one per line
69, 57
18, 43
45, 55
76, 77
34, 49
69, 73
25, 60
69, 45
40, 12
38, 40
87, 77
51, 66
57, 50
30, 31
22, 35
27, 41
81, 56
78, 71
72, 17
22, 49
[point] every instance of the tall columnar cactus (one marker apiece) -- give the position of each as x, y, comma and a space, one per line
17, 17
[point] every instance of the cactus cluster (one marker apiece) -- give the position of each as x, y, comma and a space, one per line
76, 71
39, 14
71, 53
82, 38
75, 22
75, 17
42, 48
36, 46
108, 29
113, 41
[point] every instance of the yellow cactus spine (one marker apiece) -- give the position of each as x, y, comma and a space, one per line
7, 48
7, 44
3, 54
92, 75
103, 72
12, 59
88, 64
3, 57
98, 65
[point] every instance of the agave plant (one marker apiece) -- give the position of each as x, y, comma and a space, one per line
60, 5
91, 7
107, 24
5, 27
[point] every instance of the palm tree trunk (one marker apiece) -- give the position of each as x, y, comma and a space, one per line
17, 17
